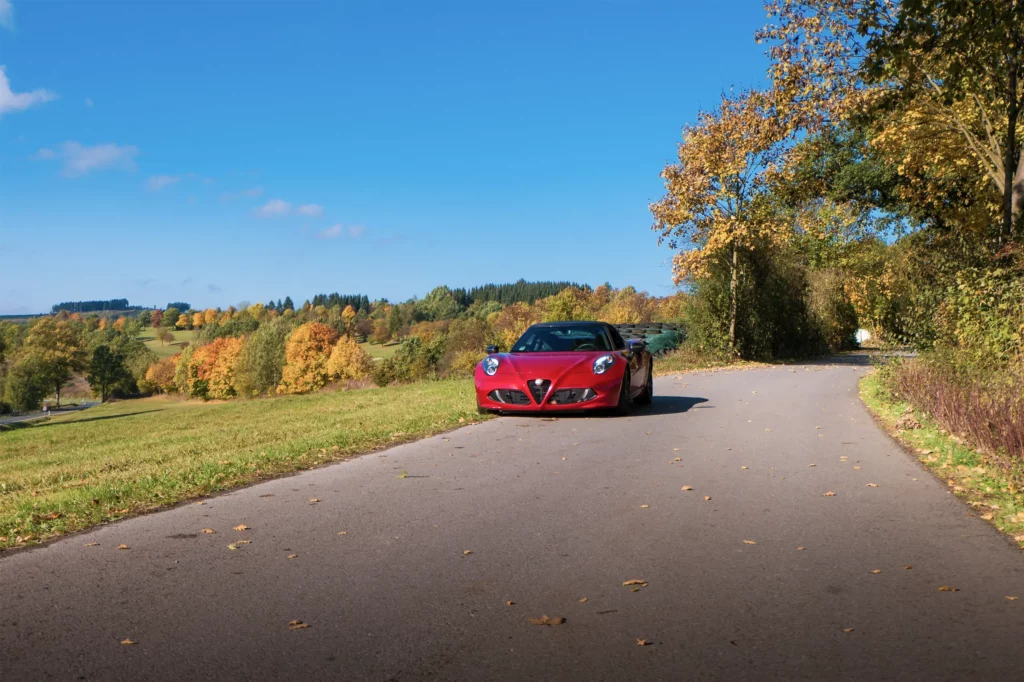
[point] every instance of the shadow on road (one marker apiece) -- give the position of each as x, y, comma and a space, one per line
668, 404
36, 425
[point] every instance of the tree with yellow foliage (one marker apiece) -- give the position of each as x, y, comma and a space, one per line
198, 319
211, 369
209, 316
719, 195
349, 361
161, 374
183, 321
306, 354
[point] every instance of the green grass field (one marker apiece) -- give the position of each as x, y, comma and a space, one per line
148, 336
76, 471
375, 350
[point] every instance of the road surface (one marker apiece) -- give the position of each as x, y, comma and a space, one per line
39, 414
553, 516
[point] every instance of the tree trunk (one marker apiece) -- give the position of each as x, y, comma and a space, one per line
733, 293
58, 395
1009, 167
1018, 189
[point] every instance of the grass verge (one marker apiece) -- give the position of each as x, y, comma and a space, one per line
983, 485
72, 472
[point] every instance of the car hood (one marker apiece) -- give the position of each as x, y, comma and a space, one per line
550, 365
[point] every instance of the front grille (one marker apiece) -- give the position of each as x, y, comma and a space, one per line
539, 389
567, 396
509, 396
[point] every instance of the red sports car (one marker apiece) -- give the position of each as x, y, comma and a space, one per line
566, 366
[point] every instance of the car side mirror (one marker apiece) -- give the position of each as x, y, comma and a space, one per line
633, 345
491, 349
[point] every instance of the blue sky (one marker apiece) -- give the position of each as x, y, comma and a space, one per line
223, 151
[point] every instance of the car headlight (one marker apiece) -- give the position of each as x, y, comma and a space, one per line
491, 366
602, 364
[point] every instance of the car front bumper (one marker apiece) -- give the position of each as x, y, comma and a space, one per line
601, 393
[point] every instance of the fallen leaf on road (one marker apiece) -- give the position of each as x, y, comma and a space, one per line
687, 487
643, 642
847, 629
91, 544
403, 475
1012, 598
800, 549
123, 547
707, 498
749, 542
344, 532
676, 450
467, 552
643, 506
830, 493
946, 588
510, 603
812, 465
872, 485
877, 571
583, 601
209, 531
741, 467
907, 567
241, 526
858, 468
677, 459
200, 502
293, 556
563, 459
297, 625
127, 642
233, 546
635, 581
268, 495
313, 500
547, 620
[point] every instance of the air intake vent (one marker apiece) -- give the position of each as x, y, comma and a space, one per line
539, 389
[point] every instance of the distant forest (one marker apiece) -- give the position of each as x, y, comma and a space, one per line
94, 306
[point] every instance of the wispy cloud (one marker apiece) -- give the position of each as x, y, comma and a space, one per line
6, 14
19, 101
310, 210
80, 159
213, 288
158, 182
273, 208
251, 193
143, 283
338, 230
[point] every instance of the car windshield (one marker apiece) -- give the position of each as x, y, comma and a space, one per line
567, 339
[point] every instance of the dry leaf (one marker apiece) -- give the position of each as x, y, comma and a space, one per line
877, 571
510, 603
313, 500
91, 544
830, 493
812, 465
467, 552
233, 546
123, 547
344, 532
583, 601
1012, 598
872, 485
200, 502
297, 625
241, 526
209, 531
749, 542
293, 556
676, 450
127, 642
800, 549
548, 620
847, 629
946, 588
987, 517
643, 506
635, 581
907, 567
643, 642
707, 498
741, 467
403, 475
687, 487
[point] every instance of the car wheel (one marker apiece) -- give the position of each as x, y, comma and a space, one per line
625, 399
647, 396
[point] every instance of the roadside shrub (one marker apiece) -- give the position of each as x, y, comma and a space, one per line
306, 353
415, 360
160, 375
25, 385
831, 308
464, 362
181, 372
261, 362
348, 361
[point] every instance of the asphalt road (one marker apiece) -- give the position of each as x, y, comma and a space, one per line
553, 513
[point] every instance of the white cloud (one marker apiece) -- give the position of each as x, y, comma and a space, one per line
273, 208
19, 101
332, 232
311, 210
6, 14
338, 230
80, 159
158, 182
88, 100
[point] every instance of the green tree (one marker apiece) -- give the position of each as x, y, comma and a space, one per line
107, 370
144, 318
262, 360
170, 317
24, 387
59, 346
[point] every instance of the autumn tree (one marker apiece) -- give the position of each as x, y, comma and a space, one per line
209, 316
170, 317
155, 318
306, 354
348, 316
571, 303
719, 195
198, 320
348, 361
59, 349
183, 321
160, 375
211, 369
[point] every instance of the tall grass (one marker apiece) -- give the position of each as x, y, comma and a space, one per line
984, 408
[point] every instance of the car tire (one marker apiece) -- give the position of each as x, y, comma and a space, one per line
647, 396
625, 399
